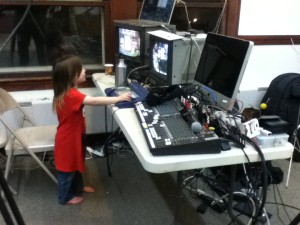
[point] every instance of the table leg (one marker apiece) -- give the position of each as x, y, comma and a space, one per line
178, 198
106, 143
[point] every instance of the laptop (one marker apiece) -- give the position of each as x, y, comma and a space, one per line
154, 13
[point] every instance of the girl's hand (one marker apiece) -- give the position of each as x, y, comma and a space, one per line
125, 97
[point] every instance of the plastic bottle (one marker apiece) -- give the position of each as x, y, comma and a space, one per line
121, 71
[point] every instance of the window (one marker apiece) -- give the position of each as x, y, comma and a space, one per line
33, 36
203, 17
37, 35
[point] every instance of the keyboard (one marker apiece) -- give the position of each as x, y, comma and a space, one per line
167, 133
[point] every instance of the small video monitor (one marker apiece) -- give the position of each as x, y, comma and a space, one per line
129, 42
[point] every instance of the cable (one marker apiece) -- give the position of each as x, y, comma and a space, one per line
189, 60
124, 152
137, 68
284, 208
265, 178
210, 93
163, 26
283, 204
17, 26
216, 29
277, 209
252, 189
231, 133
106, 152
37, 26
294, 48
251, 200
240, 107
215, 202
186, 13
105, 116
234, 131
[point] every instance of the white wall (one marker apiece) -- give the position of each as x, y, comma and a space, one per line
268, 61
269, 17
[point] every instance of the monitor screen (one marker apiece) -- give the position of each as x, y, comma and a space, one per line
160, 57
160, 60
221, 68
129, 42
157, 10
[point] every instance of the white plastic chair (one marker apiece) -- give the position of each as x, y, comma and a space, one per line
23, 138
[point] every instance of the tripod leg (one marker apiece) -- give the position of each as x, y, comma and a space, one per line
11, 202
6, 216
296, 220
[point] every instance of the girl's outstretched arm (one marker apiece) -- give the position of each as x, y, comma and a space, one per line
103, 100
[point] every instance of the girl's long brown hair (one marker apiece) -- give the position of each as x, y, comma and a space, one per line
64, 74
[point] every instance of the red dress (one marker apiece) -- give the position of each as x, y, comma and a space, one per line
68, 150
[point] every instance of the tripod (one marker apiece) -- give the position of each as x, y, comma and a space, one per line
296, 145
296, 220
13, 206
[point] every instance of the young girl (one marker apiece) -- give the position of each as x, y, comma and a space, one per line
70, 148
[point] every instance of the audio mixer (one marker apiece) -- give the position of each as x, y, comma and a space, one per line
168, 133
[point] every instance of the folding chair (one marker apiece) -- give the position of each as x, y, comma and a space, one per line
25, 138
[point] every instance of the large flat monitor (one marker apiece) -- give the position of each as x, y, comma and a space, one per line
221, 68
173, 59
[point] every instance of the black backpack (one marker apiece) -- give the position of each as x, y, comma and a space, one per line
283, 99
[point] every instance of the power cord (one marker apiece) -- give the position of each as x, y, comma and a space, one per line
216, 29
265, 175
281, 200
233, 133
187, 14
135, 69
16, 27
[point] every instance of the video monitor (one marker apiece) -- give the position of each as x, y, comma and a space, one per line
132, 41
221, 68
173, 59
129, 42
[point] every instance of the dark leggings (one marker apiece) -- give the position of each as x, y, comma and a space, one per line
70, 185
